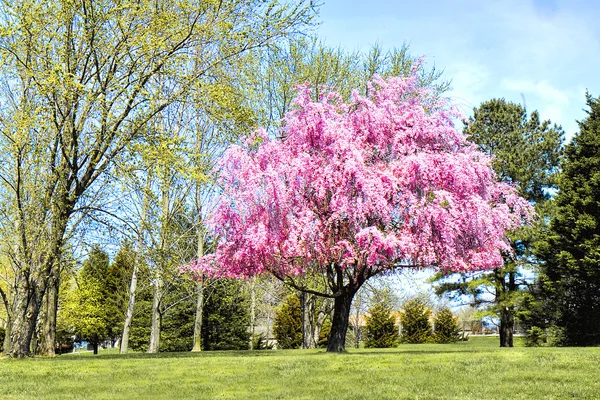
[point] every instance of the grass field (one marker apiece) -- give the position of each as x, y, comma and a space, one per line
470, 370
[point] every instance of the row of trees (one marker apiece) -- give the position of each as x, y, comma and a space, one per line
93, 305
114, 120
379, 328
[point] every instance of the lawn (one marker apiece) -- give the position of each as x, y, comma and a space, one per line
470, 370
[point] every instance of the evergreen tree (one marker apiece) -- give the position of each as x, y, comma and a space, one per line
381, 331
526, 153
414, 317
226, 317
568, 290
287, 328
112, 282
445, 326
84, 313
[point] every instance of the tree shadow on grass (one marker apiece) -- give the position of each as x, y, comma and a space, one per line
262, 353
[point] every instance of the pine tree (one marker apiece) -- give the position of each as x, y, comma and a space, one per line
526, 153
446, 327
287, 328
381, 331
226, 317
569, 285
414, 317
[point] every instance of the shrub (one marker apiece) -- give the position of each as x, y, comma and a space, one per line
446, 327
381, 332
416, 327
287, 328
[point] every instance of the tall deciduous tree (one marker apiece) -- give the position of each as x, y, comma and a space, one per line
568, 289
358, 189
79, 85
526, 153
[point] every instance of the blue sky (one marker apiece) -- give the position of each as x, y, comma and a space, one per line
543, 52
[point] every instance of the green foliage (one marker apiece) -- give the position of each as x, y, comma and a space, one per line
177, 324
84, 313
414, 317
226, 317
568, 288
224, 324
287, 328
536, 337
106, 284
94, 308
381, 331
446, 327
526, 150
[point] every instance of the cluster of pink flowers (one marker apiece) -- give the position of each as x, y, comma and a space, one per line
378, 183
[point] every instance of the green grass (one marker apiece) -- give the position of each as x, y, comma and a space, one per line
470, 370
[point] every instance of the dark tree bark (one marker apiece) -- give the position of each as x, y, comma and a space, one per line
336, 341
25, 310
507, 310
6, 344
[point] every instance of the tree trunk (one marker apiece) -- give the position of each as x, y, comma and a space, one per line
48, 338
155, 328
336, 341
95, 346
124, 345
6, 344
252, 312
504, 293
357, 306
320, 320
506, 327
307, 302
25, 310
199, 312
200, 285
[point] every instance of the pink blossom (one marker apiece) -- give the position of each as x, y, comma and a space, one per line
374, 184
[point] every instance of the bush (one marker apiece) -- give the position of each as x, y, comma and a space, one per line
446, 327
535, 337
381, 332
416, 327
287, 328
552, 336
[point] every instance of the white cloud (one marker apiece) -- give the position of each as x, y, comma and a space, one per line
542, 89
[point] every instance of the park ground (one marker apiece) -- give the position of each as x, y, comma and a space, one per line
476, 369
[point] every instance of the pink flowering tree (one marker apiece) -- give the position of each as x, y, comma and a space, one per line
356, 189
